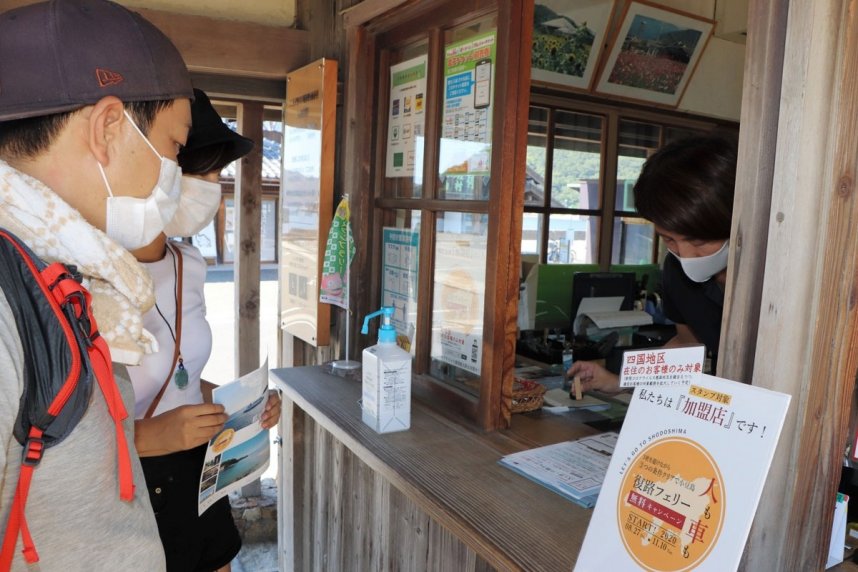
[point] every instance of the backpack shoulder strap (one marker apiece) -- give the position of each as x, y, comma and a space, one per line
53, 314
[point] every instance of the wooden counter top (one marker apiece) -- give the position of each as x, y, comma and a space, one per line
452, 473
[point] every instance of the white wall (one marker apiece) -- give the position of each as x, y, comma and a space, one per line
715, 89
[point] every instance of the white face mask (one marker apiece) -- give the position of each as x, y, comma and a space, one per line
198, 205
134, 222
702, 268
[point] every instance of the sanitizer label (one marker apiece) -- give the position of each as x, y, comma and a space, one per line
386, 394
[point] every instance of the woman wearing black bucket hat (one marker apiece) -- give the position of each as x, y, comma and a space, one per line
175, 416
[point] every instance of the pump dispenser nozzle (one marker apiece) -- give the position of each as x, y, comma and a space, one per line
386, 333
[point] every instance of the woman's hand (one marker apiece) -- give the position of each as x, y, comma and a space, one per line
271, 415
179, 429
594, 377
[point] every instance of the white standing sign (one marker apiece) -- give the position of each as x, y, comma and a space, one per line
685, 478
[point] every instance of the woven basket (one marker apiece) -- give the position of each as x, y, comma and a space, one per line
527, 395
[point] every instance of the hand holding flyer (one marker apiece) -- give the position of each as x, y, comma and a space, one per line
240, 452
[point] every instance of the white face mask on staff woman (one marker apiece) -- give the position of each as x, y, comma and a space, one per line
702, 268
135, 222
198, 205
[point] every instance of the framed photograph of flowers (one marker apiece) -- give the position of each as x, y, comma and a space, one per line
568, 39
653, 54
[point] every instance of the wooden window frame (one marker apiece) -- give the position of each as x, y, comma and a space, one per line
362, 171
370, 37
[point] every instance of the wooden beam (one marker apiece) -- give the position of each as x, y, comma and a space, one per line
225, 47
235, 48
246, 88
367, 10
806, 343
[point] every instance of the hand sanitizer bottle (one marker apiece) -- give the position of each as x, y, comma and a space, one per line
386, 395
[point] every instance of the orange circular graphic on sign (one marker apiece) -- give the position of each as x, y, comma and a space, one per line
223, 440
671, 505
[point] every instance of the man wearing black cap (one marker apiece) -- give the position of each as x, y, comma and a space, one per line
94, 107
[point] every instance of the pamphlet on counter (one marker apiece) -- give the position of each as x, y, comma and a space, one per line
572, 469
685, 479
240, 453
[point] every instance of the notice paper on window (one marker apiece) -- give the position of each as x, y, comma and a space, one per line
572, 469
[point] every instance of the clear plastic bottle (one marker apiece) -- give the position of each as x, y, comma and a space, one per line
386, 393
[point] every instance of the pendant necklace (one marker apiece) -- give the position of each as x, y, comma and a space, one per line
180, 377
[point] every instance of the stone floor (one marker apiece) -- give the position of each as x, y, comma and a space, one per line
256, 557
256, 519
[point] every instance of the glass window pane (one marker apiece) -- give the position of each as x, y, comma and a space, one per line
458, 299
637, 141
406, 121
573, 239
537, 141
633, 238
465, 150
229, 230
531, 234
268, 230
577, 161
401, 249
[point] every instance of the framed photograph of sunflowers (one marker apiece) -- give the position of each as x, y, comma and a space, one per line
568, 39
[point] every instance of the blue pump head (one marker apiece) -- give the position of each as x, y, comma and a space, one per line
386, 333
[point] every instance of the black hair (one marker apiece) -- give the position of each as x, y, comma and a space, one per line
687, 187
28, 137
204, 160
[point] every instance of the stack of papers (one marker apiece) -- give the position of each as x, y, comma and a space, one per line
573, 469
599, 323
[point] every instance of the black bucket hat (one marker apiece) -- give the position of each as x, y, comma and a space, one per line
210, 134
65, 54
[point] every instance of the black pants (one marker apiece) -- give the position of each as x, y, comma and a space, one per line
200, 543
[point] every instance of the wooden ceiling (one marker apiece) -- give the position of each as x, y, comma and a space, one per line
229, 40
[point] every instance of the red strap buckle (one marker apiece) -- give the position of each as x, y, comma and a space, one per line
32, 453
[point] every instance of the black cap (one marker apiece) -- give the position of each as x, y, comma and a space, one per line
65, 54
210, 135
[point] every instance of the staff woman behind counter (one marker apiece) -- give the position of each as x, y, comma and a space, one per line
686, 190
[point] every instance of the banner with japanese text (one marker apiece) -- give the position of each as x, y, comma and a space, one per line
339, 253
685, 478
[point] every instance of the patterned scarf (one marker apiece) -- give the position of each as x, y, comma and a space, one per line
121, 287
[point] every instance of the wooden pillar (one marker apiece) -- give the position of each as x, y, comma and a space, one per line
512, 91
806, 343
290, 501
248, 221
764, 59
248, 212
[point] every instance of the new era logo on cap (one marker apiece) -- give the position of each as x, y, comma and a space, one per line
128, 58
107, 77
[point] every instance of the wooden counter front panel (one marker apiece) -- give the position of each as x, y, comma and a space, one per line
346, 516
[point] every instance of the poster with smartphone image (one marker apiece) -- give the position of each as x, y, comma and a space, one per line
468, 96
240, 452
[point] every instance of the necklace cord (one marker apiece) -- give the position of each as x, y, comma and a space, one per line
177, 291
